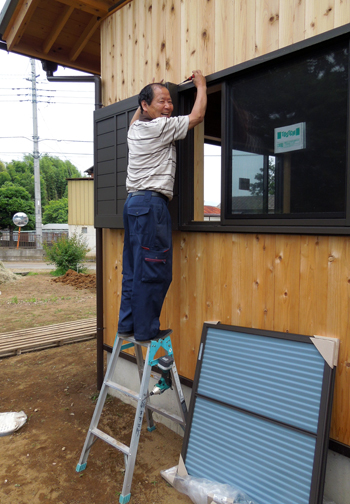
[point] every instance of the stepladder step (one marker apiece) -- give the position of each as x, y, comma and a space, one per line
121, 388
167, 414
110, 440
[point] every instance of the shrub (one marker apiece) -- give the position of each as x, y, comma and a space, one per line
67, 253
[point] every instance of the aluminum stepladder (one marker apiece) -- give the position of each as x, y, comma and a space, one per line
143, 404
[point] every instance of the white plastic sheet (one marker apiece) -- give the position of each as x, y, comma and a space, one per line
203, 491
11, 422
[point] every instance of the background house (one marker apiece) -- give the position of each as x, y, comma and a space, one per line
281, 265
81, 211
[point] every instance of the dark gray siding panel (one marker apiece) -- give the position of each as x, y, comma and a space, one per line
122, 121
110, 149
106, 180
106, 167
105, 126
106, 140
120, 204
121, 149
121, 176
106, 207
106, 194
106, 154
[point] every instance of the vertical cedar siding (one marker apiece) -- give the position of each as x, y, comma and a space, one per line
289, 283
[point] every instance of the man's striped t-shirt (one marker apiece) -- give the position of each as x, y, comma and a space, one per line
152, 154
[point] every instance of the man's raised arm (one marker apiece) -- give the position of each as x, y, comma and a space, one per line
200, 105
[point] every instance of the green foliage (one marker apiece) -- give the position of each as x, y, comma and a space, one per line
13, 199
22, 174
257, 188
56, 212
67, 253
4, 177
55, 172
53, 176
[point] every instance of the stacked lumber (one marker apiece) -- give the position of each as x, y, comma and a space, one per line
38, 338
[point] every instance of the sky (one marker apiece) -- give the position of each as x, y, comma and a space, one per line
65, 113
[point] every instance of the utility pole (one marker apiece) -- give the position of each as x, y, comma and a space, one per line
37, 192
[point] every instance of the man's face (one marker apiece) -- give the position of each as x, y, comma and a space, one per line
161, 105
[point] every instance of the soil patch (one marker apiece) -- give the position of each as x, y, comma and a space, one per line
37, 300
78, 280
56, 388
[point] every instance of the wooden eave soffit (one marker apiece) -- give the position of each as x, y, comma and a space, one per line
15, 30
99, 10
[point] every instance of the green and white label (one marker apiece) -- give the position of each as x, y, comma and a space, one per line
290, 138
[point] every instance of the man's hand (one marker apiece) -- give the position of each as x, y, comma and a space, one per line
198, 79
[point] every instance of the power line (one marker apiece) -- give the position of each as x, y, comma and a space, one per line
48, 152
47, 139
51, 90
48, 102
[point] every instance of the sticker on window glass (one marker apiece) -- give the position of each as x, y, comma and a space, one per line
290, 138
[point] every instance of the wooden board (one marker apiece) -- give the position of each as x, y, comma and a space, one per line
39, 338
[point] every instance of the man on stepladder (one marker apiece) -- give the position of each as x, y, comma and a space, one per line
147, 254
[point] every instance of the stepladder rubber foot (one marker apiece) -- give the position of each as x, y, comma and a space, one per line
123, 499
81, 467
151, 429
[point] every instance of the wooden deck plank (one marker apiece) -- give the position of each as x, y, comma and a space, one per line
51, 327
28, 340
39, 338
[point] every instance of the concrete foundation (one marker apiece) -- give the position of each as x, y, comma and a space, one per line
127, 375
337, 483
21, 254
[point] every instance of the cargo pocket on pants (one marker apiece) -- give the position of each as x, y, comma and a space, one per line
155, 265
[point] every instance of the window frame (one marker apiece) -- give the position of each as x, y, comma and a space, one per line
273, 224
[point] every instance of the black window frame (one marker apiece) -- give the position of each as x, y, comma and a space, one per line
278, 224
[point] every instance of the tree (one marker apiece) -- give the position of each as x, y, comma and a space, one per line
22, 175
56, 212
257, 188
4, 177
53, 176
13, 199
55, 173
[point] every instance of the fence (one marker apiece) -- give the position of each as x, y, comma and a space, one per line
28, 239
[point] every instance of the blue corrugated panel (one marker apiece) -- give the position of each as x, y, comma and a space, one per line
272, 463
276, 378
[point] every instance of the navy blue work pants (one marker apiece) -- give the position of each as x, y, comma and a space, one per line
147, 264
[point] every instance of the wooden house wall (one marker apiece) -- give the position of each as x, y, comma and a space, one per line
293, 283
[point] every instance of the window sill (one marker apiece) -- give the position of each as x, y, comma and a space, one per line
216, 227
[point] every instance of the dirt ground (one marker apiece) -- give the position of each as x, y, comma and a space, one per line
56, 388
39, 299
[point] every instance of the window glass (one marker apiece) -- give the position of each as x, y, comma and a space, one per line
288, 134
212, 181
207, 161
